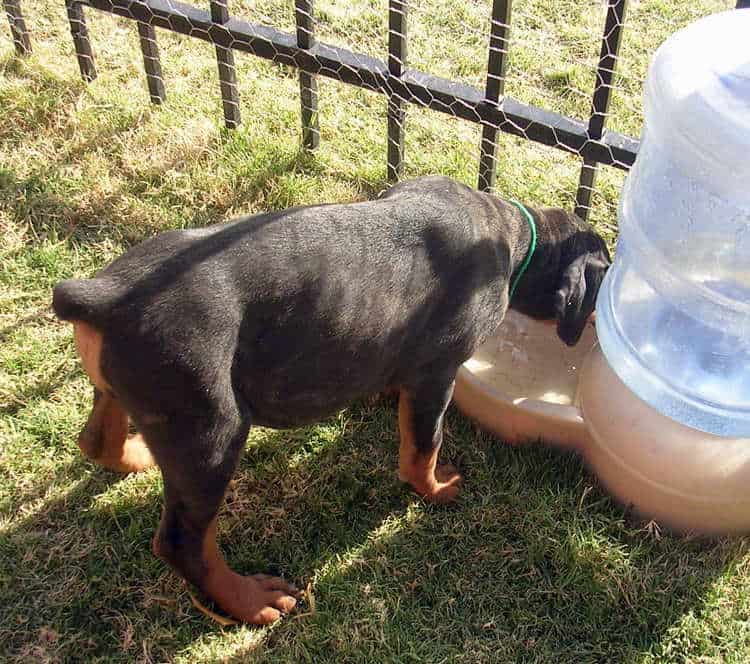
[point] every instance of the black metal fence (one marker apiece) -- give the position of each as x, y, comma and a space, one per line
490, 108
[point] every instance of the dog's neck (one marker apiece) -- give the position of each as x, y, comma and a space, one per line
538, 282
521, 246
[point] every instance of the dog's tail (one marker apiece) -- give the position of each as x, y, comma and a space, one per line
84, 300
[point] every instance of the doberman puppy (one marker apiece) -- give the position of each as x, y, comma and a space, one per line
282, 319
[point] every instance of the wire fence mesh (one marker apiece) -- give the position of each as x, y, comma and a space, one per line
504, 91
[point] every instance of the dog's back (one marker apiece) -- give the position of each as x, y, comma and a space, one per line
306, 308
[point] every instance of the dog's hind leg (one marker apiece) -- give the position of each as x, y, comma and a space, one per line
105, 437
197, 457
420, 419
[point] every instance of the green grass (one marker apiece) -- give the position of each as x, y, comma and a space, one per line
533, 564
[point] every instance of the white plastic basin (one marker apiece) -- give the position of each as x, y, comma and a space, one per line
525, 385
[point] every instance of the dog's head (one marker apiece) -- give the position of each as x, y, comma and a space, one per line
584, 262
572, 260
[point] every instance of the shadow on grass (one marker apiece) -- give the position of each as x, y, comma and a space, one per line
79, 570
135, 204
535, 564
36, 200
531, 565
40, 388
52, 95
39, 314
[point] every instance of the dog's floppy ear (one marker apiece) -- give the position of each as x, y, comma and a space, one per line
576, 296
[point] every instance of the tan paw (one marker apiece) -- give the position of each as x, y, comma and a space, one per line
442, 488
133, 458
447, 485
258, 599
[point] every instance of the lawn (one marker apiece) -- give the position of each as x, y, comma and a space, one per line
533, 564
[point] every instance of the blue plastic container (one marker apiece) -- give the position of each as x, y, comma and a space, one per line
673, 314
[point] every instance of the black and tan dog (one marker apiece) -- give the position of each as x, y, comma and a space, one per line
282, 319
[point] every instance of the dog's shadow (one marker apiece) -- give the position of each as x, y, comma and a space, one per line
79, 568
533, 562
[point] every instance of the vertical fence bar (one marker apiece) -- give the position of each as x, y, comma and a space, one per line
396, 106
151, 62
586, 183
17, 26
81, 40
496, 66
308, 83
600, 101
230, 96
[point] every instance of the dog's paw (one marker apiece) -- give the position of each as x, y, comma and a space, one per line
259, 599
447, 485
442, 488
134, 457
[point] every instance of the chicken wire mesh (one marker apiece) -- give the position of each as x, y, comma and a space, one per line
527, 98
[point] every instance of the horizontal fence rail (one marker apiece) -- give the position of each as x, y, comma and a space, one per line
440, 94
490, 108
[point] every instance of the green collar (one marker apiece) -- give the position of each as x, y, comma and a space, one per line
532, 246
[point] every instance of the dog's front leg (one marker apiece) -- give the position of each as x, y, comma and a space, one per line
420, 419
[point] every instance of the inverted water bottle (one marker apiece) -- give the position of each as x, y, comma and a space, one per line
673, 315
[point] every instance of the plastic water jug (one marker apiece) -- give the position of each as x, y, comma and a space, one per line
673, 313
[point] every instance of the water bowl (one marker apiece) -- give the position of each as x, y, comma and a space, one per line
525, 385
